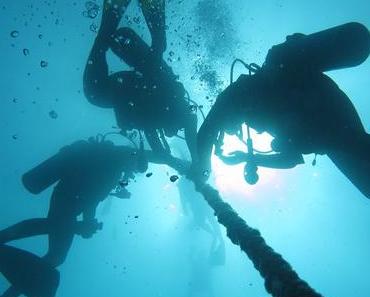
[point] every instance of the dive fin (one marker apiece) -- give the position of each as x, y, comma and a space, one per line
28, 273
355, 167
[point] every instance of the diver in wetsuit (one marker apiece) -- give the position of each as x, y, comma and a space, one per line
27, 273
202, 217
86, 172
149, 98
304, 110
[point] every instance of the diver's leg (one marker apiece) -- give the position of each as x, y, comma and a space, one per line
60, 241
62, 220
113, 11
27, 228
96, 75
154, 13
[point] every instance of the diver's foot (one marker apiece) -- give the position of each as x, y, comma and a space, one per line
118, 6
113, 11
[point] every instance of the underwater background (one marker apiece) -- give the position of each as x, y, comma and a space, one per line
312, 215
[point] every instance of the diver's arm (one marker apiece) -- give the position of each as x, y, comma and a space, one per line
216, 121
89, 225
278, 161
154, 13
206, 138
96, 78
226, 113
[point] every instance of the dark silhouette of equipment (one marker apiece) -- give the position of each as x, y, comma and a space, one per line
339, 47
250, 168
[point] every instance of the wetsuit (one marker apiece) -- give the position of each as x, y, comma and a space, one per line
150, 98
153, 11
305, 112
89, 172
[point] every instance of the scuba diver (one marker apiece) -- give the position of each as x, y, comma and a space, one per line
148, 98
85, 172
303, 109
27, 273
202, 217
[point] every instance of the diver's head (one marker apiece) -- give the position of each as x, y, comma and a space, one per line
129, 47
238, 108
233, 120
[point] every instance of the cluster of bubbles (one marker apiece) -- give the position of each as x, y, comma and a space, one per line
208, 75
92, 10
215, 20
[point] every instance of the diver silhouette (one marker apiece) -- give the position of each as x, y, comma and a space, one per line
202, 217
85, 172
149, 98
154, 14
303, 109
27, 273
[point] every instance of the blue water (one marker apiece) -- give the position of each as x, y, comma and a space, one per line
313, 216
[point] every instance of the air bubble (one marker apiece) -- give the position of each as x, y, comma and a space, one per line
44, 64
174, 178
14, 33
53, 114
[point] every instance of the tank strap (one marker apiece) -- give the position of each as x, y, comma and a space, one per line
280, 278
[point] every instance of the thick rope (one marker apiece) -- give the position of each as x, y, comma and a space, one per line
280, 278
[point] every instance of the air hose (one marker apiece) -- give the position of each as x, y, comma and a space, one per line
250, 168
195, 104
102, 137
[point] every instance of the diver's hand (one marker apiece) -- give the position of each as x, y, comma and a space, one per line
235, 158
87, 229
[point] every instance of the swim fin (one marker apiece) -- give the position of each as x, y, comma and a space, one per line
28, 273
356, 167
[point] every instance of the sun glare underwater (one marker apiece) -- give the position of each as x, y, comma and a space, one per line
98, 193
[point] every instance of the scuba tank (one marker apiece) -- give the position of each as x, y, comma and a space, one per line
339, 47
135, 52
28, 273
52, 170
